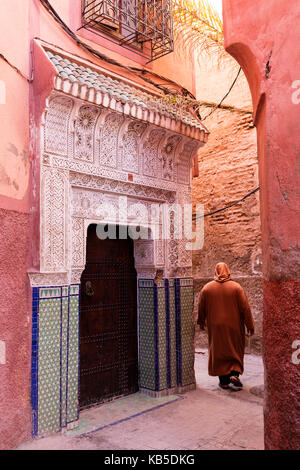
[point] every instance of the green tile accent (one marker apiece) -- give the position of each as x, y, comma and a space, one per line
64, 358
57, 388
49, 366
146, 336
187, 331
74, 290
172, 333
146, 283
162, 347
49, 292
72, 397
65, 291
149, 369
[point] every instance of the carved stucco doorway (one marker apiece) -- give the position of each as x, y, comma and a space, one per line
93, 150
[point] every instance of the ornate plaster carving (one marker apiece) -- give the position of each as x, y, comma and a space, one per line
56, 120
84, 133
109, 140
87, 155
151, 158
49, 279
168, 157
130, 146
54, 195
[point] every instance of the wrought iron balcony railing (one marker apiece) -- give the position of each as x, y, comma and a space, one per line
146, 25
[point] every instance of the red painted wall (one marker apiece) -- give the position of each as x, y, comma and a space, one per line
264, 38
15, 313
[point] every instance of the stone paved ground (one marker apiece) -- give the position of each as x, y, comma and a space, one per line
207, 418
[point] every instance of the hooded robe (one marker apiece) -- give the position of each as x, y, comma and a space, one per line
224, 308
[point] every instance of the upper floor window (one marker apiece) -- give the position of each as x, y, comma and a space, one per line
145, 25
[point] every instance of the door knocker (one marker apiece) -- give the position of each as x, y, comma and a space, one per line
88, 289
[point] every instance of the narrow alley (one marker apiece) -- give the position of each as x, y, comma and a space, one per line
149, 238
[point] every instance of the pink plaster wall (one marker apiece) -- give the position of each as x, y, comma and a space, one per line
264, 37
14, 142
21, 106
15, 313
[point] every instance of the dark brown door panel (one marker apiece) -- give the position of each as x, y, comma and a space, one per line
108, 321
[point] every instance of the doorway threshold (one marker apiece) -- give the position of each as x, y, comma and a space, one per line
118, 411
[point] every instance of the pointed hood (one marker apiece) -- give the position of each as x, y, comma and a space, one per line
222, 273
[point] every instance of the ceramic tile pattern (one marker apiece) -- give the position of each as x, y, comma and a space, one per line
172, 330
49, 365
161, 337
34, 360
64, 355
73, 357
166, 333
186, 325
146, 335
55, 358
166, 352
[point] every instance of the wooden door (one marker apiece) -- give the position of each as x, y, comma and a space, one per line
108, 321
